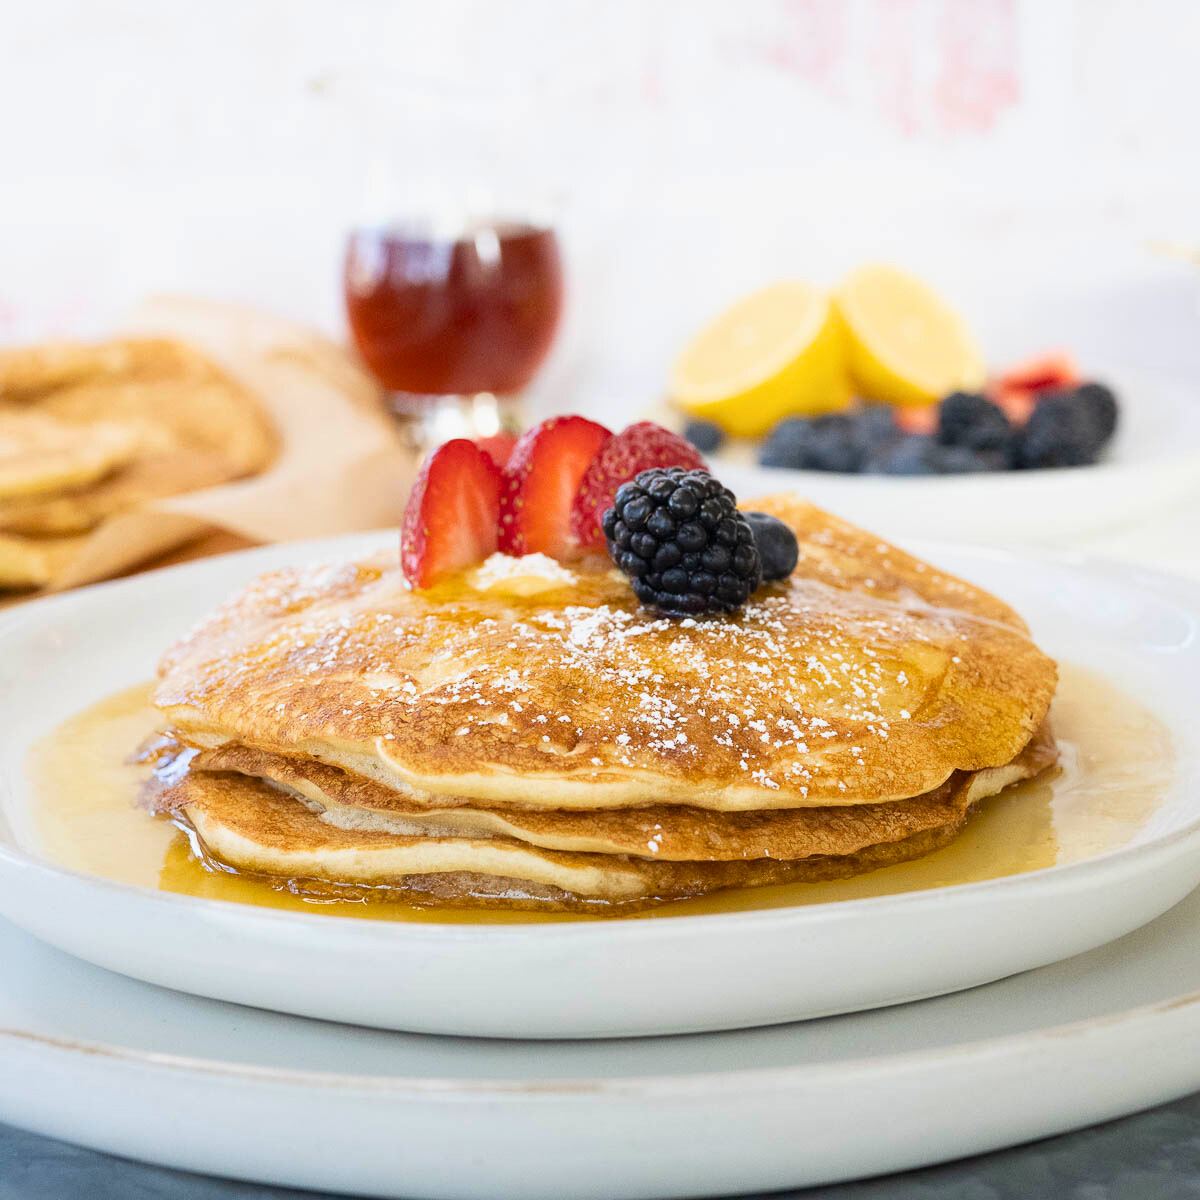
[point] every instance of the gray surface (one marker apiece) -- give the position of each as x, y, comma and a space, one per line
1154, 1155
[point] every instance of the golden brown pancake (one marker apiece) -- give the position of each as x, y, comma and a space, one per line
245, 823
668, 833
40, 453
33, 562
187, 425
868, 677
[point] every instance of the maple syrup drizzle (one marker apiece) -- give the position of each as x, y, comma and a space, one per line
1116, 765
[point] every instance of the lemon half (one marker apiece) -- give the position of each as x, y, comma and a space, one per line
776, 353
906, 345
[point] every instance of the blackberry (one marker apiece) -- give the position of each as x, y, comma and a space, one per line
704, 435
1101, 402
1066, 429
679, 537
973, 422
828, 443
778, 550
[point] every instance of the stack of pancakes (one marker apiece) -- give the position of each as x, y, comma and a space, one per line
553, 745
88, 431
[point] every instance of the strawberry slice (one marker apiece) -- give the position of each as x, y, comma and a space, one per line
1017, 390
1017, 403
917, 418
499, 446
1054, 371
636, 448
540, 483
452, 515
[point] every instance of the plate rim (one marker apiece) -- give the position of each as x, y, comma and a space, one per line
600, 1087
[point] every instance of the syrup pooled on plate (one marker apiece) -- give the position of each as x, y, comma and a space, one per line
1115, 767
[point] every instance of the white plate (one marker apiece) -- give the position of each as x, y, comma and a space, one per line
151, 1074
1154, 462
615, 978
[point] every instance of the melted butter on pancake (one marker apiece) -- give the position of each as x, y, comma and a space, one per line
868, 677
523, 575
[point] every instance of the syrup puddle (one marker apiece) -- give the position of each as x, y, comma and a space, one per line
1116, 765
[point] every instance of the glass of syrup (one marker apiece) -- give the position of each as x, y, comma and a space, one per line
454, 309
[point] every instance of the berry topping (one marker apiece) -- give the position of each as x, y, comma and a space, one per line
541, 482
706, 436
680, 538
778, 550
499, 446
452, 514
636, 448
1066, 429
971, 421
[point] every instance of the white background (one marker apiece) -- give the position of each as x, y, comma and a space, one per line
1023, 155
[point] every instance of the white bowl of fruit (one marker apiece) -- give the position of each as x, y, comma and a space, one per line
874, 400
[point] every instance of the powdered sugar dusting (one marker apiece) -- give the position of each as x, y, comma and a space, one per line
797, 693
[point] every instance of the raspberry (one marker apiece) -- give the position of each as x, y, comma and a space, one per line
636, 448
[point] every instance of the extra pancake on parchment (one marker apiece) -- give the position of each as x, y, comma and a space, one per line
245, 823
868, 677
42, 454
133, 420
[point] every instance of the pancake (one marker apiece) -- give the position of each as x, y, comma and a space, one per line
33, 562
869, 677
185, 425
244, 823
40, 453
679, 833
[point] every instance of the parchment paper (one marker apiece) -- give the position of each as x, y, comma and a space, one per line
341, 466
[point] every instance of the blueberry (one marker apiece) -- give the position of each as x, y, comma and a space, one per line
704, 435
961, 460
786, 444
877, 427
777, 546
1066, 429
828, 443
909, 456
923, 454
972, 421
